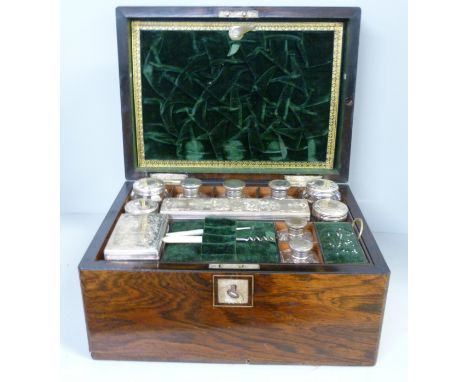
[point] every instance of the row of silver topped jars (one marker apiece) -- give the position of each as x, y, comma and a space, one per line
234, 188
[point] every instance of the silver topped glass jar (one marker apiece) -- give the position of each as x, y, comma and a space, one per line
141, 206
300, 252
191, 187
329, 210
234, 188
149, 188
317, 189
279, 188
296, 226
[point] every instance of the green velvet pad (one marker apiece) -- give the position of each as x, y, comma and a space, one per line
245, 252
339, 243
219, 240
263, 98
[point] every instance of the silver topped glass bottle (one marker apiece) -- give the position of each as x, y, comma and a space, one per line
300, 252
279, 188
329, 210
191, 188
317, 189
296, 227
149, 188
234, 188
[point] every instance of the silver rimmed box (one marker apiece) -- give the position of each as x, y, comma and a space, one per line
241, 209
137, 237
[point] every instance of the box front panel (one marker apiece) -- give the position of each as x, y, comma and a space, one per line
325, 319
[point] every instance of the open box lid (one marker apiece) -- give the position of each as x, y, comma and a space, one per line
262, 91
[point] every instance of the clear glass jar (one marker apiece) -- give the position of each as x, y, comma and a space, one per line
234, 188
149, 188
329, 210
317, 189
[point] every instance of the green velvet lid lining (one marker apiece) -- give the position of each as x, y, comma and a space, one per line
266, 103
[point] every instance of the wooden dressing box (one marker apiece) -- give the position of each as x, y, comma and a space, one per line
244, 93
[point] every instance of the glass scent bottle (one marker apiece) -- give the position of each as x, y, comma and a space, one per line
279, 188
317, 189
234, 188
329, 210
141, 206
149, 188
300, 252
190, 188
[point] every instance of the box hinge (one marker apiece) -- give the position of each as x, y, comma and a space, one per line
242, 14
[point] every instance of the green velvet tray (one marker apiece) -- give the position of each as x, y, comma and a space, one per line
268, 102
244, 252
339, 243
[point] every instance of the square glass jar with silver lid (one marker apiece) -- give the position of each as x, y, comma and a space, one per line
317, 189
234, 188
279, 189
191, 188
329, 210
149, 188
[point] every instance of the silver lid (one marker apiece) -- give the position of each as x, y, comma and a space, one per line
321, 186
279, 184
148, 186
300, 245
141, 206
234, 184
191, 183
329, 209
296, 222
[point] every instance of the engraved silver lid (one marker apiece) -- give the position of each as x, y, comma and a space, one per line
279, 184
191, 183
329, 210
321, 186
148, 187
234, 184
141, 206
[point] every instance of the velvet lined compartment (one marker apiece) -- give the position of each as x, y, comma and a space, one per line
246, 252
339, 243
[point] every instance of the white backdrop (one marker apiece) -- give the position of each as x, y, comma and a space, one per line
92, 169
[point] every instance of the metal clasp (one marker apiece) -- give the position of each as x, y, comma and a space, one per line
243, 14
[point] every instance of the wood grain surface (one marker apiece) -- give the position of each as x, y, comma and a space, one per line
296, 318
